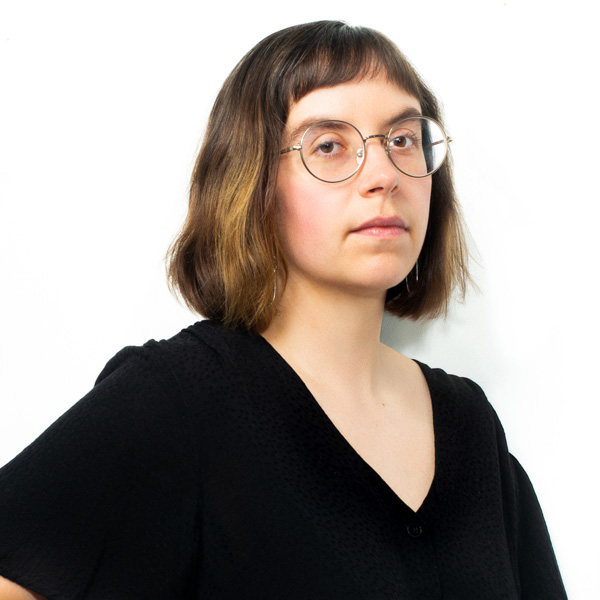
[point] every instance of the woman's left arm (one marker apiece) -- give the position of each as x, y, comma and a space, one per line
539, 574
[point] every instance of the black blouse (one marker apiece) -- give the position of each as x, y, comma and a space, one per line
202, 467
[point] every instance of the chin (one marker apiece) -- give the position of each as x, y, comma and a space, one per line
384, 279
377, 287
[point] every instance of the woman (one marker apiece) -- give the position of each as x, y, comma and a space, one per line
278, 449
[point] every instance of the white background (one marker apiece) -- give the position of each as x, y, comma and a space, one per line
102, 109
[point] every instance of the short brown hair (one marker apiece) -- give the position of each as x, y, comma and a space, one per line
222, 262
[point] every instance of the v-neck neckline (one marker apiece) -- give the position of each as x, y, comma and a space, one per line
379, 481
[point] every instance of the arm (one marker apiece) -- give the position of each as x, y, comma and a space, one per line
12, 591
538, 569
109, 485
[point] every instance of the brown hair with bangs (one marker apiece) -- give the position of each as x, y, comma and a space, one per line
223, 261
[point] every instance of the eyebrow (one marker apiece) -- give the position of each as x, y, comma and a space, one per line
306, 123
407, 113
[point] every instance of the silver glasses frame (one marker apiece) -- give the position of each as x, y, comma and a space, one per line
385, 139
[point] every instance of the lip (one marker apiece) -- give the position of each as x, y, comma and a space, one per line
382, 227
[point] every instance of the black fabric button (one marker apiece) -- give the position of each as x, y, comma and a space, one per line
414, 530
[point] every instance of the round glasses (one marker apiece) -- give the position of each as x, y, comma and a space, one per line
333, 151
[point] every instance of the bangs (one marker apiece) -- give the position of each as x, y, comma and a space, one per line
337, 53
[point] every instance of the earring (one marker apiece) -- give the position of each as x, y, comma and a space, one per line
274, 279
416, 276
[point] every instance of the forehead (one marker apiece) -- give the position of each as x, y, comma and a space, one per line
367, 103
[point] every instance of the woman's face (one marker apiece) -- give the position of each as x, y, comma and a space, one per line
324, 228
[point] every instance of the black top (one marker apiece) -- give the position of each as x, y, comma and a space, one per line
202, 467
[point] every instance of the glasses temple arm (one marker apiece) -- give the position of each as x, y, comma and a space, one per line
448, 140
290, 149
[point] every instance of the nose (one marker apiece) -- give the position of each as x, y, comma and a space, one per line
377, 174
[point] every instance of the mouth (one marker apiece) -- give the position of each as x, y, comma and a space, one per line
382, 227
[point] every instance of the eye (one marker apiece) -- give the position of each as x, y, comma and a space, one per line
406, 136
400, 141
328, 147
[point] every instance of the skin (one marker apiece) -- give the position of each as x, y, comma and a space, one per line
12, 591
329, 314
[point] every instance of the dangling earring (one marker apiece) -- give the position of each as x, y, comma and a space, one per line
274, 279
416, 276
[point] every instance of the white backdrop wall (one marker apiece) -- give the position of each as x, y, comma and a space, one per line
103, 107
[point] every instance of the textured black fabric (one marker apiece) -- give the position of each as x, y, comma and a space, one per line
202, 467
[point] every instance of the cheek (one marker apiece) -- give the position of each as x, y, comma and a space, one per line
422, 204
299, 234
301, 218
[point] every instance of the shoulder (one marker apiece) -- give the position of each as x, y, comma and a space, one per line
199, 364
463, 405
461, 391
187, 346
195, 353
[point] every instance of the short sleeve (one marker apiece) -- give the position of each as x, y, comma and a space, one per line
539, 574
104, 503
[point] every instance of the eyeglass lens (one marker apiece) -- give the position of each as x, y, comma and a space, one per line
334, 150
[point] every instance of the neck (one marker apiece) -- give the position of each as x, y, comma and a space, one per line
330, 336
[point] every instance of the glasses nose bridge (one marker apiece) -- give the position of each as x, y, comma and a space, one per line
376, 135
384, 141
